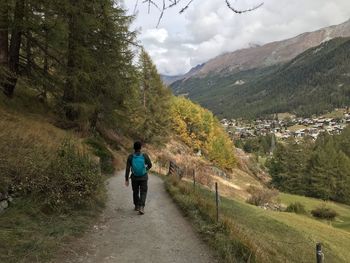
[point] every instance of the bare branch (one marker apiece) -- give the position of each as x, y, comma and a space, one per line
136, 5
166, 4
184, 8
242, 11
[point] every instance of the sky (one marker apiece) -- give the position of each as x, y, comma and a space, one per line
208, 28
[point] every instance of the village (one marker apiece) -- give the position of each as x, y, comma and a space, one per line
287, 127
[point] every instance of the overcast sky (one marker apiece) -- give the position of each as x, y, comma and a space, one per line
208, 28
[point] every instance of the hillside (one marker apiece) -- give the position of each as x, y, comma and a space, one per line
314, 82
264, 235
270, 54
168, 80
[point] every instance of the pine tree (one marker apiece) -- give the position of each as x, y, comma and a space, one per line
322, 169
155, 99
342, 191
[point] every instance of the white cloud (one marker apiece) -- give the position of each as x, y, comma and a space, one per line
208, 28
158, 35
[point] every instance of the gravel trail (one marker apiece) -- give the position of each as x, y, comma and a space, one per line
162, 235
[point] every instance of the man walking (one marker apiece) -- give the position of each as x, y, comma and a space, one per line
139, 163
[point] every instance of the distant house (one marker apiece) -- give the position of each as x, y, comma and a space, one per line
300, 133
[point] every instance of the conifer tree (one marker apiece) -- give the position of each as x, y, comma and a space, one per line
342, 192
322, 170
155, 98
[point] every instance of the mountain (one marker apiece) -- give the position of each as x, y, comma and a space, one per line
314, 82
261, 80
168, 80
272, 53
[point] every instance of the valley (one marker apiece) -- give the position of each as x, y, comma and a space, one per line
314, 80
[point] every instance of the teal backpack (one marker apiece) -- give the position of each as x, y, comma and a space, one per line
138, 165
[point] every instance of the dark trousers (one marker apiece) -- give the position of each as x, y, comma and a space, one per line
139, 188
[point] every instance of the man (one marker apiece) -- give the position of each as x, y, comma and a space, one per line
139, 163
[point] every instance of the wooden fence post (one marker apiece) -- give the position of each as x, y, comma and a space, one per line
194, 178
217, 201
169, 167
319, 253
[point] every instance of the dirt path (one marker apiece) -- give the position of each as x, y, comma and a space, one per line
161, 235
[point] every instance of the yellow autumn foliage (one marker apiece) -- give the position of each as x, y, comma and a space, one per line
200, 130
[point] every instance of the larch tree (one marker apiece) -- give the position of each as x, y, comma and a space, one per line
155, 99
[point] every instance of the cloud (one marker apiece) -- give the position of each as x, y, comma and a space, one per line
208, 28
157, 35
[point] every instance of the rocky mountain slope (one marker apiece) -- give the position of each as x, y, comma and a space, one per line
168, 80
272, 53
271, 78
314, 82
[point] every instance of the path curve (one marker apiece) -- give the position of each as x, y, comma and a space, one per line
162, 235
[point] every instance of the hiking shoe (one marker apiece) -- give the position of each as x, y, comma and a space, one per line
142, 210
137, 208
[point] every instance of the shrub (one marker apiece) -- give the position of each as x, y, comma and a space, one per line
72, 179
324, 212
106, 157
261, 196
297, 208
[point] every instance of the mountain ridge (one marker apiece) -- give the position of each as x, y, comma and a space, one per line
168, 80
274, 52
269, 54
314, 82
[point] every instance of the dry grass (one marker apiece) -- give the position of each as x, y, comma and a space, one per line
21, 128
271, 236
29, 232
234, 184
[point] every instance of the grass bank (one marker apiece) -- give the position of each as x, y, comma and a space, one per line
57, 188
27, 234
198, 206
342, 221
250, 233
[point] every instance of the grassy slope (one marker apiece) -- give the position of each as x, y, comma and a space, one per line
274, 236
26, 233
342, 221
29, 235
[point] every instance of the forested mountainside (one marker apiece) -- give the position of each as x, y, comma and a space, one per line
260, 56
314, 82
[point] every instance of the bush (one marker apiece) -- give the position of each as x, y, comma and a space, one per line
297, 208
72, 179
324, 212
261, 196
99, 148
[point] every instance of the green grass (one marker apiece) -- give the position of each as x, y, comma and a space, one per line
342, 221
25, 101
29, 235
228, 247
275, 236
100, 149
29, 231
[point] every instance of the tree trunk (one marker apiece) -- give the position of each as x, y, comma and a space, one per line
46, 64
29, 55
4, 24
69, 93
15, 46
